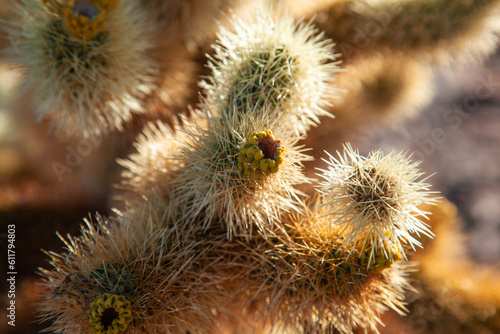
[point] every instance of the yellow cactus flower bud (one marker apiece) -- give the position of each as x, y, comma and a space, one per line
86, 18
263, 164
109, 313
261, 154
258, 155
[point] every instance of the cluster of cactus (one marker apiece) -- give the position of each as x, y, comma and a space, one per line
217, 218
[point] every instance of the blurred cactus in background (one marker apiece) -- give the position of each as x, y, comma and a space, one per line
218, 113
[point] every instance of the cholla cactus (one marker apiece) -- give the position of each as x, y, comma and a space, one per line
214, 185
86, 61
374, 201
147, 169
272, 62
462, 29
305, 281
216, 215
139, 266
204, 180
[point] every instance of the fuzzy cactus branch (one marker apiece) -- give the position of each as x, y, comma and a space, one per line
87, 76
435, 30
